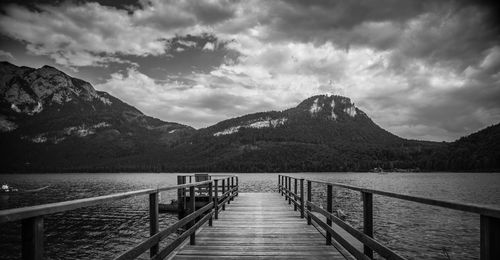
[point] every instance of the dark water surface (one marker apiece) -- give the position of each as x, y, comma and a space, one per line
414, 230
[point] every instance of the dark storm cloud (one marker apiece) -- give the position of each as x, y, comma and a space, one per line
425, 69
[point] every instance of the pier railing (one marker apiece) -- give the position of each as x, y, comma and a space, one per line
293, 190
219, 189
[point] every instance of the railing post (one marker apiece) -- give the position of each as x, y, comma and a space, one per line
232, 187
279, 187
153, 220
223, 192
210, 199
180, 199
286, 187
367, 220
329, 208
237, 186
302, 198
309, 199
295, 194
192, 197
32, 238
216, 199
490, 237
281, 178
289, 190
229, 189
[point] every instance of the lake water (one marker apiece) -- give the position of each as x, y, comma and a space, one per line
101, 232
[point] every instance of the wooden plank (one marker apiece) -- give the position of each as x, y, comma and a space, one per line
259, 226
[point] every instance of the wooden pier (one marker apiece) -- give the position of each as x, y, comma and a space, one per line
259, 226
233, 225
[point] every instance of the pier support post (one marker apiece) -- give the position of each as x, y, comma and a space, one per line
295, 194
289, 190
192, 202
282, 193
229, 189
279, 187
154, 224
309, 198
180, 198
216, 199
367, 220
286, 187
302, 198
210, 199
32, 238
329, 208
223, 193
490, 238
232, 187
237, 186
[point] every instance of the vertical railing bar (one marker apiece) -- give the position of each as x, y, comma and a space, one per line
210, 199
289, 190
229, 189
232, 187
180, 199
223, 191
295, 194
367, 220
302, 197
309, 199
329, 209
279, 187
192, 202
489, 237
154, 224
216, 199
32, 238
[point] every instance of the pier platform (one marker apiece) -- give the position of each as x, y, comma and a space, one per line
258, 226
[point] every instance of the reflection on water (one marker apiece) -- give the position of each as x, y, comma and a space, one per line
101, 232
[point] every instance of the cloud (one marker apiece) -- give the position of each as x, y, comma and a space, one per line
6, 55
90, 34
198, 105
422, 69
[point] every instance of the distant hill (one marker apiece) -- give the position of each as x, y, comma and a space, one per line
479, 151
51, 122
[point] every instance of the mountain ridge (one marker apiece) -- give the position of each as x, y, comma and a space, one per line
51, 122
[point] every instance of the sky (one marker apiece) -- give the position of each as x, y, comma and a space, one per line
427, 69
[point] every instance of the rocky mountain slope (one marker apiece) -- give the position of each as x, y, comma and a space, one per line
44, 111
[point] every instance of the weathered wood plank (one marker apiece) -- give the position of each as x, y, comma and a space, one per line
259, 226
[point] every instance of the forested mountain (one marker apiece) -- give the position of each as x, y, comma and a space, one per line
51, 122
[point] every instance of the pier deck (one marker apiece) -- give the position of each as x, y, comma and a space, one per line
258, 226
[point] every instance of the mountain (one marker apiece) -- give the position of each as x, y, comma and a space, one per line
322, 133
50, 121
